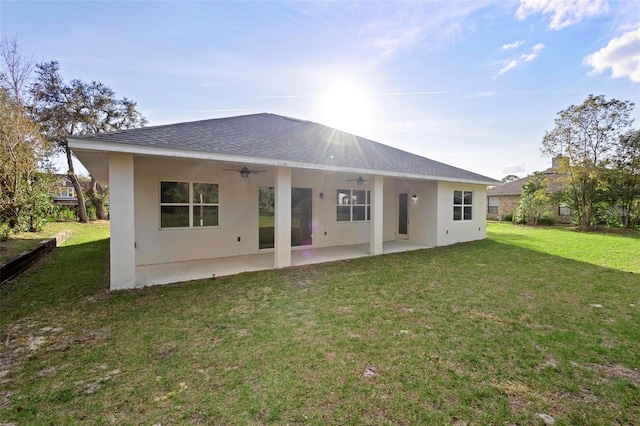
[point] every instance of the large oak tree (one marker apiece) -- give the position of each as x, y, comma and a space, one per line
76, 108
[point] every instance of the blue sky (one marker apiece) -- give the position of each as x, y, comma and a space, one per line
474, 84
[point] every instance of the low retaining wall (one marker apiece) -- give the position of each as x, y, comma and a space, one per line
28, 258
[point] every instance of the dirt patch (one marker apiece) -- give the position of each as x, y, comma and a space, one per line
92, 385
492, 317
618, 371
369, 371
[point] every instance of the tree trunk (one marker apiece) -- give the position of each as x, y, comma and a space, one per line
96, 199
82, 209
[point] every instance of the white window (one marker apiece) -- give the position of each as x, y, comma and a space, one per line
353, 205
462, 205
492, 205
189, 205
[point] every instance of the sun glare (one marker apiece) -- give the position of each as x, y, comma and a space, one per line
346, 106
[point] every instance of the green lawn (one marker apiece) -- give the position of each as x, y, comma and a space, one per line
527, 322
17, 243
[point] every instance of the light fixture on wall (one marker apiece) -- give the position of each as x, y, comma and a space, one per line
322, 195
414, 198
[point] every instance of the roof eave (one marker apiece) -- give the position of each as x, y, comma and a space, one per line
86, 144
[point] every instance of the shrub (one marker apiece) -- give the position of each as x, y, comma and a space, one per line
63, 214
547, 220
91, 212
607, 215
5, 231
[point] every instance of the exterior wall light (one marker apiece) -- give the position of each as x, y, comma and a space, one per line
414, 198
322, 195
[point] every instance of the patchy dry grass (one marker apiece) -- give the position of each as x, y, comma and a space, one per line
497, 331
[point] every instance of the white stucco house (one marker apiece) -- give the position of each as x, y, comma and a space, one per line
266, 188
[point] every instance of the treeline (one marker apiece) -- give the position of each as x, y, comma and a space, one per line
38, 112
601, 171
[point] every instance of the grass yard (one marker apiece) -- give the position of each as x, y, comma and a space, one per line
17, 243
527, 322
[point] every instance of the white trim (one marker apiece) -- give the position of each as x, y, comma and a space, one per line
110, 147
190, 204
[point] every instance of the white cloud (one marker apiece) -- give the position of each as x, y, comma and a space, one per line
513, 169
508, 67
513, 45
390, 27
403, 126
483, 94
622, 55
533, 54
563, 13
525, 57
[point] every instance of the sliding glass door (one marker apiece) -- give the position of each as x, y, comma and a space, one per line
301, 217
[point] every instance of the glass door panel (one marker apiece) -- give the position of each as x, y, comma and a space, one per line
301, 217
266, 211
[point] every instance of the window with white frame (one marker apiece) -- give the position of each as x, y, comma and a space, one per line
64, 191
492, 205
189, 205
462, 205
353, 205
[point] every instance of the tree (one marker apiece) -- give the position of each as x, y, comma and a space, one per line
588, 134
77, 108
24, 180
24, 190
509, 178
534, 201
98, 196
623, 187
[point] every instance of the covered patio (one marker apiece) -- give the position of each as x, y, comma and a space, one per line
165, 273
223, 196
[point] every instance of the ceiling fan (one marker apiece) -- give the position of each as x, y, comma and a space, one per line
359, 180
244, 172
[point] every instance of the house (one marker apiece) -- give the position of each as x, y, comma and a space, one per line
503, 200
265, 191
64, 193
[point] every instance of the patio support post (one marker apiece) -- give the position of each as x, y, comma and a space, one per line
121, 214
282, 252
375, 224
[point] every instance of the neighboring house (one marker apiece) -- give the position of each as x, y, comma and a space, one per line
64, 193
265, 184
503, 200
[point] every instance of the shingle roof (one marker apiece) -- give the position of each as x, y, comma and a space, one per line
556, 182
275, 137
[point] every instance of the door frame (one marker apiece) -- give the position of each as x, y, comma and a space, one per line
397, 230
312, 212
